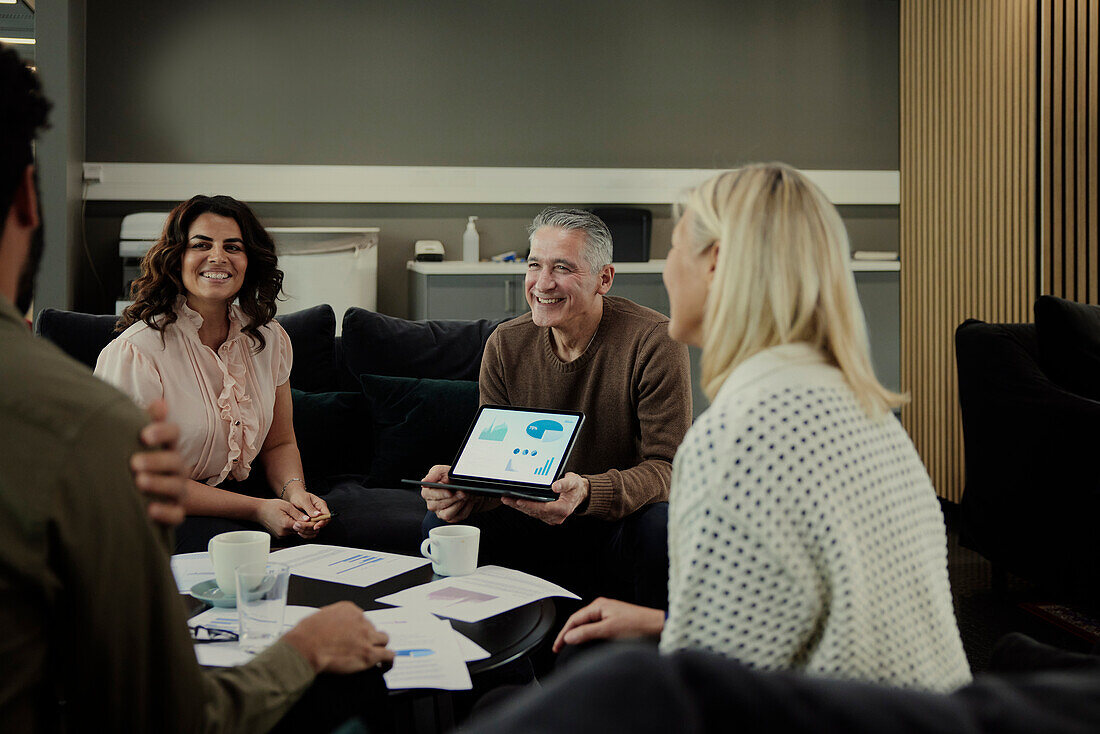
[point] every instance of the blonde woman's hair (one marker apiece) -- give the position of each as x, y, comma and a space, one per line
782, 276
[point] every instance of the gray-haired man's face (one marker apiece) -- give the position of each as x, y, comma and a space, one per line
561, 288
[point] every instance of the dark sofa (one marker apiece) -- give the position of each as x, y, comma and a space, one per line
1030, 400
384, 401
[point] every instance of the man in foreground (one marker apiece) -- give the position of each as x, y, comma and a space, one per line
581, 349
95, 629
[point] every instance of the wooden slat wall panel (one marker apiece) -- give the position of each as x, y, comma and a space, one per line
968, 186
1068, 165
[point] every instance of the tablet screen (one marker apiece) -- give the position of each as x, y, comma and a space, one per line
517, 445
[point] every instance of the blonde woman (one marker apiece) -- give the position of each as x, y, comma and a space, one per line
804, 532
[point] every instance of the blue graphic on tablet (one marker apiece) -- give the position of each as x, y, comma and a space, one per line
545, 430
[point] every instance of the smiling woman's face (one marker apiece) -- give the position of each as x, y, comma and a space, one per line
687, 277
214, 262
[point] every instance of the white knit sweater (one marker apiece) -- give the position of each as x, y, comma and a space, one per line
803, 534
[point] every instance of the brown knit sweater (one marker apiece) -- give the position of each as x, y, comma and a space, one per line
633, 384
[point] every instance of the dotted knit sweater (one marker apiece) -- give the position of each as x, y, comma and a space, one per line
803, 534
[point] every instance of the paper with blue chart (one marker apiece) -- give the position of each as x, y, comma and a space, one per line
489, 591
227, 654
516, 446
351, 566
427, 650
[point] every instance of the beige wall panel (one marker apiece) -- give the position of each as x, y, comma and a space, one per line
1068, 69
968, 138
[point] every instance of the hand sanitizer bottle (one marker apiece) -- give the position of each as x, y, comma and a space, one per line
471, 243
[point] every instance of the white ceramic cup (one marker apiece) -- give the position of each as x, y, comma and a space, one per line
452, 549
261, 603
229, 550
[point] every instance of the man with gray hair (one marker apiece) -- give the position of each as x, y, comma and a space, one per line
581, 349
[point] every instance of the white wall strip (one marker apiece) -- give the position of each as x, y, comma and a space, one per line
457, 267
436, 185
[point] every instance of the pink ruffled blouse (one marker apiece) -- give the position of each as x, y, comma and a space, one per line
223, 401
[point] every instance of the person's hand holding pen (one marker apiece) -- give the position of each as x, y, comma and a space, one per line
318, 521
315, 511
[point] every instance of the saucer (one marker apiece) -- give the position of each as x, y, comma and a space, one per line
208, 591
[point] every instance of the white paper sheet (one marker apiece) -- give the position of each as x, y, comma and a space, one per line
351, 566
426, 651
471, 651
431, 654
228, 654
489, 591
190, 569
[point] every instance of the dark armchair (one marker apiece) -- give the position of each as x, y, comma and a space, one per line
1031, 427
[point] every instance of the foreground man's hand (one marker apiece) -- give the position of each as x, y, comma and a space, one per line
339, 639
158, 472
608, 619
572, 490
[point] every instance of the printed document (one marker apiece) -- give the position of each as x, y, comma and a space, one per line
426, 651
190, 569
488, 591
352, 566
228, 654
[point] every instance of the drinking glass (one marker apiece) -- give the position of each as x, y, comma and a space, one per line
261, 603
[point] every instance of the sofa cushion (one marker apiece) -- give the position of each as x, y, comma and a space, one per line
379, 518
80, 335
312, 332
333, 431
416, 423
375, 344
1069, 344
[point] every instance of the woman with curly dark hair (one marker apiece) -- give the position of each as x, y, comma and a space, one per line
222, 367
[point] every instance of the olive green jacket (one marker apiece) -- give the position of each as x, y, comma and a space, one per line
93, 628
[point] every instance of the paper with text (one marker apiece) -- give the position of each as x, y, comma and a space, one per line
426, 650
228, 654
190, 569
352, 566
489, 591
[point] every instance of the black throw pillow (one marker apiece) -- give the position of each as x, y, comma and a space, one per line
312, 333
417, 423
1069, 344
376, 344
80, 335
333, 430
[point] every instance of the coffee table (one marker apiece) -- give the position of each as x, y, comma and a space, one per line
506, 637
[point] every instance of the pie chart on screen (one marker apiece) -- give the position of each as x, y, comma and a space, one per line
545, 430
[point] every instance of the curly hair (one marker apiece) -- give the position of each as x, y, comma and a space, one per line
154, 293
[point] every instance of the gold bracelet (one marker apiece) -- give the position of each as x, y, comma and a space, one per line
282, 491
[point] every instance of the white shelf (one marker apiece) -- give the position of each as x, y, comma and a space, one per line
457, 267
141, 230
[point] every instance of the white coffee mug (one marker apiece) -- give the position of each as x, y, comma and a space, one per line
452, 549
229, 550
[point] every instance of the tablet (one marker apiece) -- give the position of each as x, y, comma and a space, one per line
514, 451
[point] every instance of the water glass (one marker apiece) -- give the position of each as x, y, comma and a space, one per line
261, 603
